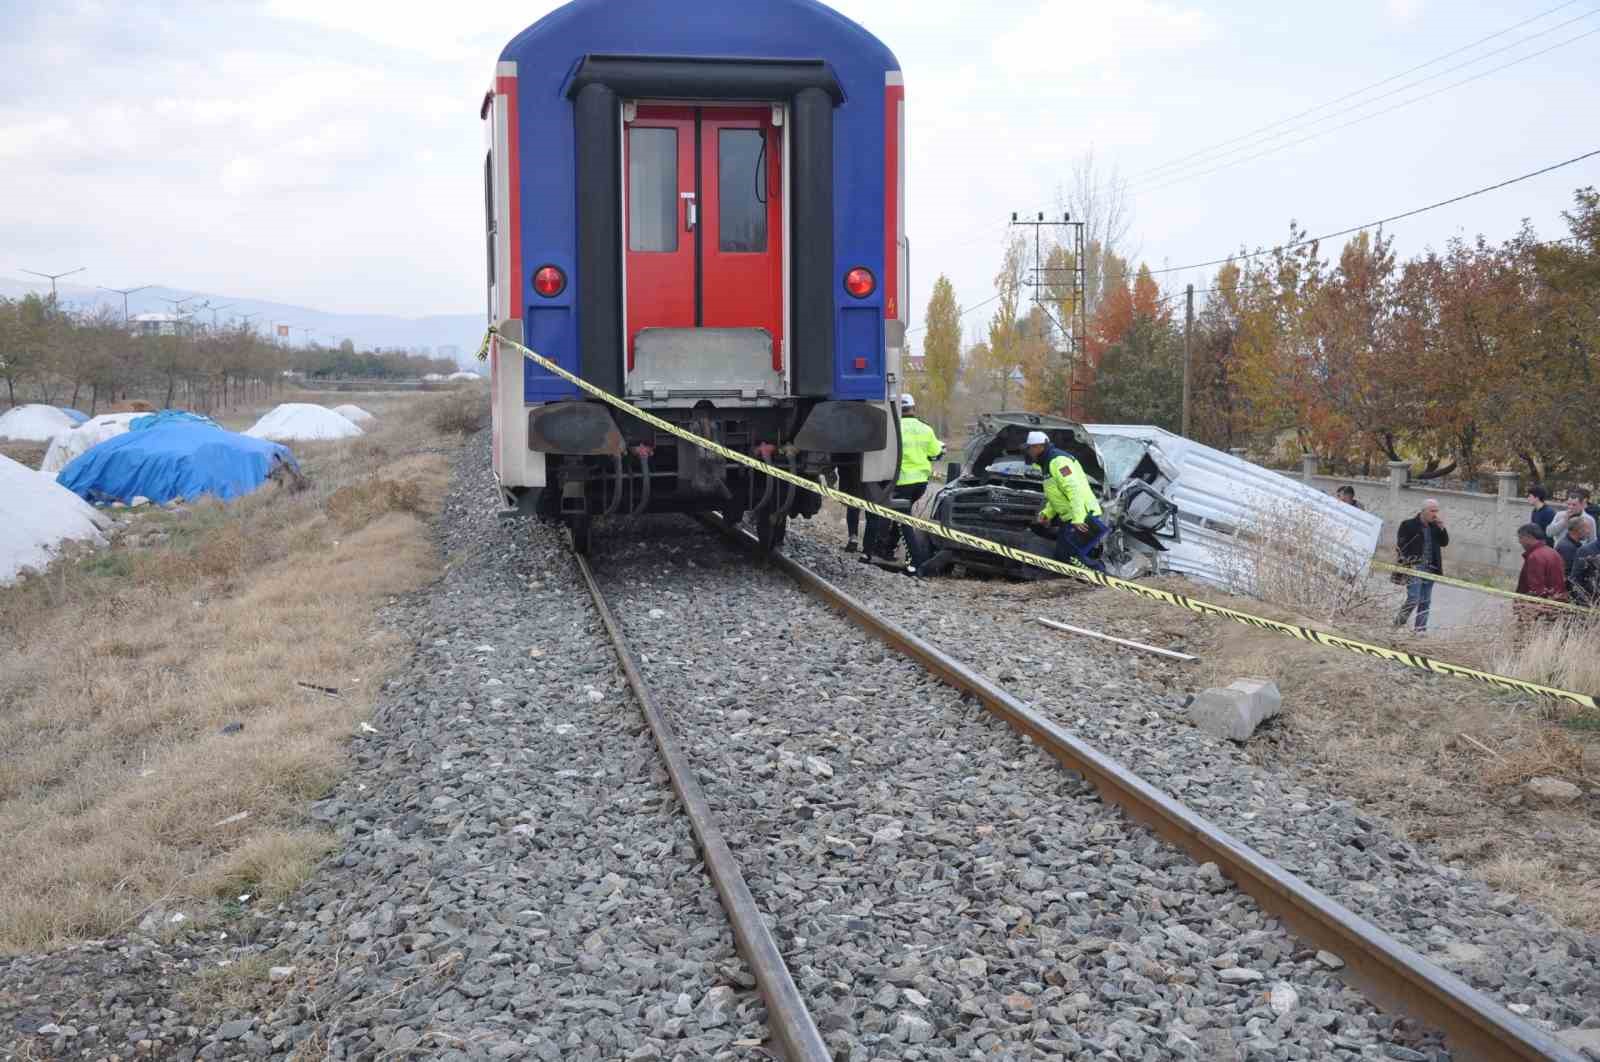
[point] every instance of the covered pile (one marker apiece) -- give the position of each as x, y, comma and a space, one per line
36, 517
356, 415
302, 422
179, 459
80, 440
78, 416
35, 423
464, 376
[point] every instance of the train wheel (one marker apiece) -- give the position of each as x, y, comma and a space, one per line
771, 528
580, 527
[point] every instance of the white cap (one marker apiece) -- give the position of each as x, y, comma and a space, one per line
1037, 438
907, 402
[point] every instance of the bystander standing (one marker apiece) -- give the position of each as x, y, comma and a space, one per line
1347, 494
1577, 502
1543, 511
1542, 575
1419, 545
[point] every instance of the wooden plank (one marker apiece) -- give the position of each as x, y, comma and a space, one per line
1174, 654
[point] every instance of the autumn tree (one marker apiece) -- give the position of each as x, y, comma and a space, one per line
1001, 357
941, 351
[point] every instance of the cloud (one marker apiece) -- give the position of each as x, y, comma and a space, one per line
1403, 10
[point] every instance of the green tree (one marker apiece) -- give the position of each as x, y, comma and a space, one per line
941, 351
1141, 376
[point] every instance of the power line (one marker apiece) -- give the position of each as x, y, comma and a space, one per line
1247, 256
1368, 117
1374, 224
1352, 95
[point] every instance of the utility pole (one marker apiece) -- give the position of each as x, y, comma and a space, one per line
214, 309
53, 277
1078, 269
124, 292
1188, 332
305, 340
245, 317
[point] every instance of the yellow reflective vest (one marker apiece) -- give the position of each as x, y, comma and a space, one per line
1067, 494
919, 446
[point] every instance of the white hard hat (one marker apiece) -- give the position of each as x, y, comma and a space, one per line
1037, 438
907, 402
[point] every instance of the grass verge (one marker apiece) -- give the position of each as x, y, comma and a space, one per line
157, 746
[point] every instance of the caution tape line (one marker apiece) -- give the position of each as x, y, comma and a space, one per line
1543, 602
1305, 634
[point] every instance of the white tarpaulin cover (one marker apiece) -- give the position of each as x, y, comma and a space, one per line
91, 433
35, 423
36, 516
356, 415
301, 422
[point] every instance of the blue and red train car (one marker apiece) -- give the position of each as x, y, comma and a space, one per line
699, 207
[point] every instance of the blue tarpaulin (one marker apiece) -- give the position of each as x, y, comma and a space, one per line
181, 459
168, 416
77, 417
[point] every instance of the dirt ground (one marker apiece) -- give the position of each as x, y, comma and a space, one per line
1443, 760
170, 703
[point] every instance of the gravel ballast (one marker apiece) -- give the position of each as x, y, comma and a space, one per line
939, 887
1120, 702
513, 877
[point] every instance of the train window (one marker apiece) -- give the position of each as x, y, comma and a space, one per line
742, 190
652, 189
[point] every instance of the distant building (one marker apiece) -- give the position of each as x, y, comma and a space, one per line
160, 324
451, 351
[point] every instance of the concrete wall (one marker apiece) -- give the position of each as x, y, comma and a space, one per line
1483, 527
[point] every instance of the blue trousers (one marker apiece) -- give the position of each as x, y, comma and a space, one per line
1071, 544
1419, 599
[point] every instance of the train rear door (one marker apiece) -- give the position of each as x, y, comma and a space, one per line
704, 252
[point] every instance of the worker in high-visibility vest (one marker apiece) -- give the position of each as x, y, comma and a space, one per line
1069, 502
919, 449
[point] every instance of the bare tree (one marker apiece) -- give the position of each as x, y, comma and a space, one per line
1099, 198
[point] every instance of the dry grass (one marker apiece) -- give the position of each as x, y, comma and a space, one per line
118, 673
461, 413
1443, 760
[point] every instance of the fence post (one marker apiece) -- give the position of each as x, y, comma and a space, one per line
1399, 472
1308, 469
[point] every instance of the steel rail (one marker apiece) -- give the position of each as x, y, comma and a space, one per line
1392, 975
788, 1020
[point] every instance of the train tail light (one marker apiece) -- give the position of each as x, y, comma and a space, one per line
549, 281
860, 282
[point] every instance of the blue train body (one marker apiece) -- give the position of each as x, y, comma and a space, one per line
699, 207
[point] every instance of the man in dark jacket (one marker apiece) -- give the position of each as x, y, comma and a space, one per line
1420, 542
1578, 533
1542, 574
1543, 511
1584, 583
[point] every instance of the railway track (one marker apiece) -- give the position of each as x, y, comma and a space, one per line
911, 876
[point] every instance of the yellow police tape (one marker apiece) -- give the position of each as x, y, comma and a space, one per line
1543, 602
1305, 634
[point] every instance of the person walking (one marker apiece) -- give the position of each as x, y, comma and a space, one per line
1069, 502
1583, 583
1543, 575
1419, 543
919, 449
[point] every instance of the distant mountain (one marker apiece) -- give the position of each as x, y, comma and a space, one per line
463, 331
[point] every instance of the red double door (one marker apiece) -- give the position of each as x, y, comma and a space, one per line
703, 220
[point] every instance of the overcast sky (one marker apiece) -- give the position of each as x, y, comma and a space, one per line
327, 152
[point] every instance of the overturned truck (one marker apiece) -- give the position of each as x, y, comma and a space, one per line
997, 495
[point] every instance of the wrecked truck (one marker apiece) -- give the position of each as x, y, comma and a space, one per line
995, 494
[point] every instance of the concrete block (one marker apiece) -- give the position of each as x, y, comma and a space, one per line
1235, 711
